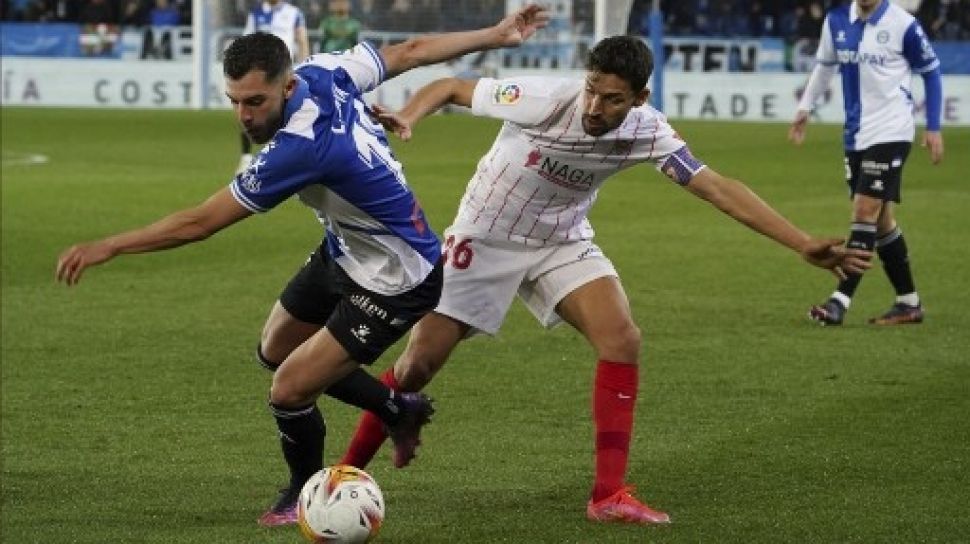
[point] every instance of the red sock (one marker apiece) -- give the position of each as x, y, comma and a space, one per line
370, 432
614, 398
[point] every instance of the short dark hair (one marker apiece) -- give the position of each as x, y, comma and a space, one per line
256, 51
624, 56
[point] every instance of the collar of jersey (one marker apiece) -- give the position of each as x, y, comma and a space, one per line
874, 18
295, 102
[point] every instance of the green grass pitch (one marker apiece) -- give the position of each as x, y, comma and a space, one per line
133, 410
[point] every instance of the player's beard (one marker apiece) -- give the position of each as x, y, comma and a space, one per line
260, 134
595, 126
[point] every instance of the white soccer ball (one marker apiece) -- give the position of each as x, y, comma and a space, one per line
342, 505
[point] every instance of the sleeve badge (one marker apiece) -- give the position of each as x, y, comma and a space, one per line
507, 94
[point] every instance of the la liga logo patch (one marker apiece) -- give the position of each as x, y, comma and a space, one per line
507, 94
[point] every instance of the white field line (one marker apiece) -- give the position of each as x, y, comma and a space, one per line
19, 158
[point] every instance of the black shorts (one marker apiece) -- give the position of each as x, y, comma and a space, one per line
364, 322
877, 171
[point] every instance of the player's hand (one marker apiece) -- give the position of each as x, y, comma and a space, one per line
832, 254
796, 133
392, 121
520, 26
933, 141
71, 263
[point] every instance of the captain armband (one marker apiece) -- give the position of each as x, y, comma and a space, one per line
681, 166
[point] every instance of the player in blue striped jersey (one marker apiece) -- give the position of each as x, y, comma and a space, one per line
378, 269
877, 47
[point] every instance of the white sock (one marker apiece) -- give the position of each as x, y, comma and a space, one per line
911, 299
843, 300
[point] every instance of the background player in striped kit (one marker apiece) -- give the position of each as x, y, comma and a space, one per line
287, 22
378, 269
522, 228
877, 46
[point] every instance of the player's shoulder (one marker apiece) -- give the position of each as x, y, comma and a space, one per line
303, 109
534, 85
644, 119
287, 11
896, 16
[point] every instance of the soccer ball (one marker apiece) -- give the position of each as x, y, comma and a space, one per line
342, 505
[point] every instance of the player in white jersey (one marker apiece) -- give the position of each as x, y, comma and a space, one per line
877, 47
379, 267
284, 20
287, 22
522, 229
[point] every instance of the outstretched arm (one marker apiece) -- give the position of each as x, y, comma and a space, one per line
426, 101
422, 50
180, 228
738, 201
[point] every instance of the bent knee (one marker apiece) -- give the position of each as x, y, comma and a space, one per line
285, 393
620, 344
867, 210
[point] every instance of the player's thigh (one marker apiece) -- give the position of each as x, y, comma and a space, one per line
563, 270
361, 327
303, 308
283, 333
310, 369
879, 172
481, 279
367, 323
866, 209
887, 219
600, 310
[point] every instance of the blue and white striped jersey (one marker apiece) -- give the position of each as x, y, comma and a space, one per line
877, 58
281, 20
331, 154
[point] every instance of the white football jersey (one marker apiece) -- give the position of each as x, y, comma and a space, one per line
281, 20
877, 59
536, 184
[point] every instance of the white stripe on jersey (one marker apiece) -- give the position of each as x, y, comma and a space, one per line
244, 200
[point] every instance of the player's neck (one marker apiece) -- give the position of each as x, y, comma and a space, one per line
865, 13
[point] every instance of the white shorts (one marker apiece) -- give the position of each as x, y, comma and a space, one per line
483, 276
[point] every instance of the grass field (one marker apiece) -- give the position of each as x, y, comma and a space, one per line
133, 410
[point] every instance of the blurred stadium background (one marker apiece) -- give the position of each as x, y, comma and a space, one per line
732, 59
132, 411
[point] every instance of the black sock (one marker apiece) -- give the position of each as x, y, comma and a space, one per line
302, 433
861, 236
895, 261
247, 146
364, 391
263, 361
